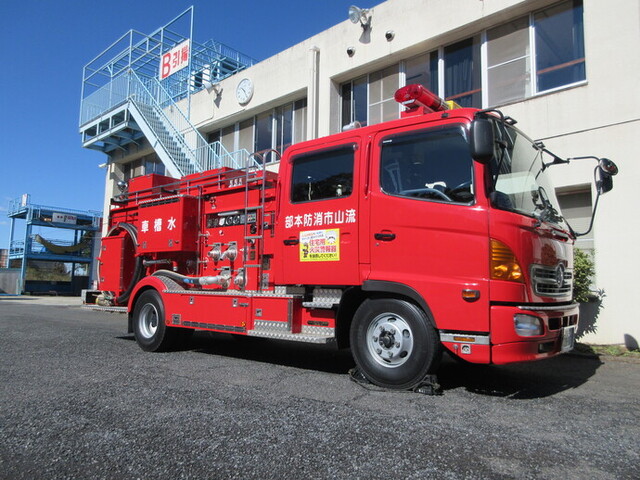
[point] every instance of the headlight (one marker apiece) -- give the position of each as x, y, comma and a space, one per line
527, 325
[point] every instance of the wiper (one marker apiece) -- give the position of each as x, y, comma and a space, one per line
540, 207
541, 202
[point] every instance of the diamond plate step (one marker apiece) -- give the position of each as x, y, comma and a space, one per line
281, 331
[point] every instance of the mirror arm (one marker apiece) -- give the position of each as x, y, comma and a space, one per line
556, 159
593, 216
539, 145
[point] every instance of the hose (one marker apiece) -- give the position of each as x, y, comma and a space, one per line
139, 267
137, 275
217, 280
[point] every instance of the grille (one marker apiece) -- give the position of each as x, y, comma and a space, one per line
545, 281
557, 323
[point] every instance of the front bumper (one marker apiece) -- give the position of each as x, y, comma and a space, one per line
559, 327
503, 345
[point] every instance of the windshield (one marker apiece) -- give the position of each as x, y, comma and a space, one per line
521, 181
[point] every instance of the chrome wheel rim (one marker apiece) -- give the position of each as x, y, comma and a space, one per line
389, 340
148, 320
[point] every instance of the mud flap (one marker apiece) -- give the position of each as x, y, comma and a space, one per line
427, 386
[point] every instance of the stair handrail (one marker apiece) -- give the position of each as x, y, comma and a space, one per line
140, 92
204, 154
151, 92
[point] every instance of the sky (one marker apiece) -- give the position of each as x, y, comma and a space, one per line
44, 44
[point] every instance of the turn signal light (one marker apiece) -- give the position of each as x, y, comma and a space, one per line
504, 264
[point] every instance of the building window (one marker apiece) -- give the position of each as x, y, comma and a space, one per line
143, 166
246, 136
557, 56
532, 54
369, 99
559, 42
576, 207
213, 136
263, 133
153, 165
382, 87
354, 101
462, 73
423, 70
508, 62
284, 127
274, 129
299, 121
228, 138
324, 175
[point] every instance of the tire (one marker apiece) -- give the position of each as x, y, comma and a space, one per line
149, 327
393, 343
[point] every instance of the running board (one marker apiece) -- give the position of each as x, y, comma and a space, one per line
281, 331
100, 308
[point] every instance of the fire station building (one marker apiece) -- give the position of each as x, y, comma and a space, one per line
557, 67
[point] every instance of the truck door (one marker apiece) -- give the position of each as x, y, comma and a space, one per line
318, 216
427, 229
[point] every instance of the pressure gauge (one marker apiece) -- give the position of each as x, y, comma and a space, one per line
244, 91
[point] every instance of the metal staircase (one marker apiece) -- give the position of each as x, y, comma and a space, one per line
167, 129
123, 101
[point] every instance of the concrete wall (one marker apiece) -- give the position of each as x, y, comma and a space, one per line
420, 25
9, 278
599, 117
602, 118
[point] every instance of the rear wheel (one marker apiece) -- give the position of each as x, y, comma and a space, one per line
149, 327
394, 343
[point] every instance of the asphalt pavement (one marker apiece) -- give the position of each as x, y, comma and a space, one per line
79, 399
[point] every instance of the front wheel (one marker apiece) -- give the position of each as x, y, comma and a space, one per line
394, 343
149, 327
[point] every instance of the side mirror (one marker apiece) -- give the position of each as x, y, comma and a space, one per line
604, 175
481, 139
608, 166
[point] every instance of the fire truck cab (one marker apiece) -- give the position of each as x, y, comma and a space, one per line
437, 231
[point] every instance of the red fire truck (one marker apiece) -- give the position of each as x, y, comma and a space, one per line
436, 231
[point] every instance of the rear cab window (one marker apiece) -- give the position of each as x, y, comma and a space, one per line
323, 175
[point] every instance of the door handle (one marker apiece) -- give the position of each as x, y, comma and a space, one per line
291, 241
384, 237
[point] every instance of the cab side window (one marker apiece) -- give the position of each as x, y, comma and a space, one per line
323, 175
432, 165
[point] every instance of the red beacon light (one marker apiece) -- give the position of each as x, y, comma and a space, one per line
419, 100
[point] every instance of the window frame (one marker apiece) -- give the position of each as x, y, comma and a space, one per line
144, 165
535, 72
477, 41
232, 133
348, 87
349, 147
531, 86
463, 132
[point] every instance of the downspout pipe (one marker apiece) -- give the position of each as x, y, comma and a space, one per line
313, 93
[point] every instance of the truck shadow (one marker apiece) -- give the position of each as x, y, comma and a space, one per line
517, 381
322, 358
